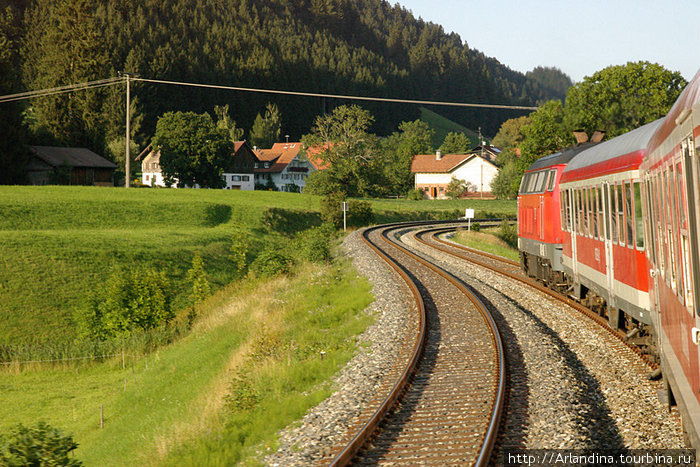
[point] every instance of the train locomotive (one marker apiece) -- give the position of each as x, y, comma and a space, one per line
617, 226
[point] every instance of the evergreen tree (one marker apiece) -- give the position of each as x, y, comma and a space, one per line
63, 45
455, 143
266, 129
13, 155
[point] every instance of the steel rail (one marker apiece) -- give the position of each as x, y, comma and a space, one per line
367, 430
500, 389
529, 282
345, 456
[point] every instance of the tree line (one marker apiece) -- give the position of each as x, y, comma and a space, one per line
360, 47
616, 99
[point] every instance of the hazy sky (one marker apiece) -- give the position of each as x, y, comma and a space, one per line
578, 37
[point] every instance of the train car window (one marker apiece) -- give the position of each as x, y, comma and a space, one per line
671, 247
638, 218
629, 214
606, 210
594, 211
552, 179
579, 204
680, 196
647, 196
620, 214
613, 211
541, 182
523, 184
599, 210
563, 210
586, 212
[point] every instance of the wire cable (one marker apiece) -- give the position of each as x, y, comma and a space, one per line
337, 96
117, 80
60, 89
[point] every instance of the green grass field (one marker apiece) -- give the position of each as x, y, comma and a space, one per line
171, 406
58, 244
254, 341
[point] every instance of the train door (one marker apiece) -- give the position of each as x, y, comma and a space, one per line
608, 205
691, 170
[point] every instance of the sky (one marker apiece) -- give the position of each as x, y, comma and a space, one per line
578, 37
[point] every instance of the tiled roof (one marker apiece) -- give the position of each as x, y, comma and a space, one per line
428, 163
312, 154
279, 156
74, 157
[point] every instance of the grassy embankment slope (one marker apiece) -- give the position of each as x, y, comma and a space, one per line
256, 342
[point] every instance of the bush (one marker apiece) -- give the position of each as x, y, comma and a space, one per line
240, 244
331, 209
360, 213
476, 227
415, 195
288, 222
137, 299
316, 244
271, 263
197, 276
37, 445
509, 234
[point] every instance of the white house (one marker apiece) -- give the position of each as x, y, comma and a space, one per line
285, 165
433, 172
237, 175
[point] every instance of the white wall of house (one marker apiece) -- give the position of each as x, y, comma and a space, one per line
478, 172
153, 179
239, 181
433, 178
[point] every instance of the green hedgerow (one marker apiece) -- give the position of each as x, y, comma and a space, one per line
37, 445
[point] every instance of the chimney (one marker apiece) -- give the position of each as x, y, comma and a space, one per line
598, 136
438, 155
581, 136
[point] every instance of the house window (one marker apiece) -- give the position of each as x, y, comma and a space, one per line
267, 165
245, 178
235, 178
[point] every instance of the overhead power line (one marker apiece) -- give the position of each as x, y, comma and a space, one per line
60, 90
117, 80
337, 96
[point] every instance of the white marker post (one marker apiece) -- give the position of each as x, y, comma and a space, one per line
469, 215
345, 217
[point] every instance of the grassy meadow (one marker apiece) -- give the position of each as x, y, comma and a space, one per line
488, 240
58, 244
258, 355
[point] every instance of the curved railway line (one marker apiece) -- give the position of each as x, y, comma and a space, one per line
445, 406
511, 269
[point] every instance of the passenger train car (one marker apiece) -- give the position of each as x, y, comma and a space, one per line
539, 229
671, 177
629, 226
603, 248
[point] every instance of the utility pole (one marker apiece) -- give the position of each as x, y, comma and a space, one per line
127, 168
127, 162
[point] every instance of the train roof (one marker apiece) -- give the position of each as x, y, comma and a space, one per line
624, 152
559, 158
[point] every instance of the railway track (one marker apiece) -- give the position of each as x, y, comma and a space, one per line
431, 237
445, 405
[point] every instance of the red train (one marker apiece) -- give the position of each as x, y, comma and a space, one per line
624, 216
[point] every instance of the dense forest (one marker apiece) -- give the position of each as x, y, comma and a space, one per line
354, 47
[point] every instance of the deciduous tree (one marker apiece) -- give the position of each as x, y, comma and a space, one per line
618, 99
192, 149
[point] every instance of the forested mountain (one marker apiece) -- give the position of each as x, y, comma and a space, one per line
359, 47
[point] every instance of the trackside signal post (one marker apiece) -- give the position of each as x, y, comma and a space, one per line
345, 215
469, 215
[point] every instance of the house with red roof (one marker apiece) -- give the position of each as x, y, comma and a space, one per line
237, 174
433, 172
285, 165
